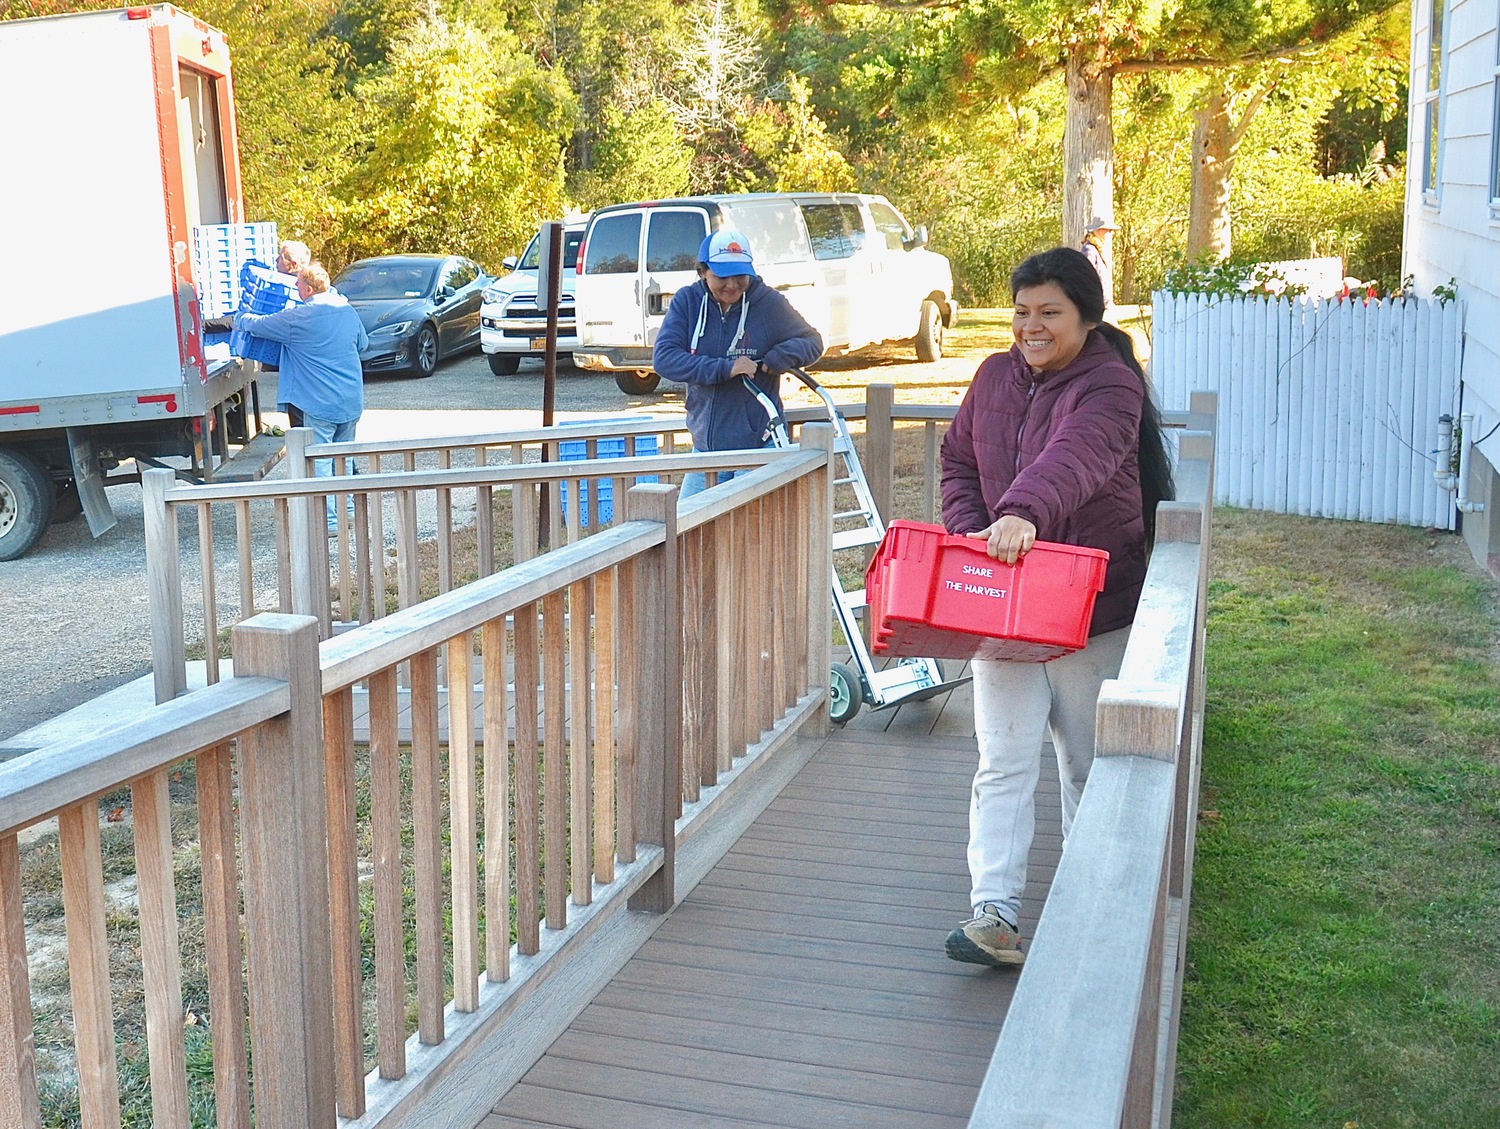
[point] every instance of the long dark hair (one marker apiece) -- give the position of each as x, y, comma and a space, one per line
1076, 277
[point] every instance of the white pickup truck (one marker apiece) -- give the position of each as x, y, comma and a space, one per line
102, 357
849, 263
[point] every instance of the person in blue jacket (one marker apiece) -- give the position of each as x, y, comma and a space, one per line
321, 384
727, 326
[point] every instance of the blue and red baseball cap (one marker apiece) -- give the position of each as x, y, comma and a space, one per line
727, 253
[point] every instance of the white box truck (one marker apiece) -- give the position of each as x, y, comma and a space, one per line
119, 141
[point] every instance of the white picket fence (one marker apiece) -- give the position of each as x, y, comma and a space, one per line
1326, 408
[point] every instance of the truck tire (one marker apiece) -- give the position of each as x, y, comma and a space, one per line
930, 332
504, 364
637, 383
27, 498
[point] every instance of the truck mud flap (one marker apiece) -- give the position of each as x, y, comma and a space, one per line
96, 508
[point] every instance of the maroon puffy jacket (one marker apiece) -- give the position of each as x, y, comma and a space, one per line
1059, 450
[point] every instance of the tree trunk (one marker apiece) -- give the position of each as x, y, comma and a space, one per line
1088, 146
1214, 146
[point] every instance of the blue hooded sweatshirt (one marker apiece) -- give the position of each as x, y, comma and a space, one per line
698, 342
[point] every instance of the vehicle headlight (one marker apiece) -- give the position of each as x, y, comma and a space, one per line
395, 329
492, 294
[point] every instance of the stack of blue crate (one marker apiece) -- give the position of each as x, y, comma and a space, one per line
607, 447
220, 252
262, 291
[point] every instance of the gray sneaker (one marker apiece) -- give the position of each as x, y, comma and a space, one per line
986, 938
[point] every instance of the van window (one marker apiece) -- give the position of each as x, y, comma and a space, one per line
614, 245
775, 234
673, 239
836, 230
889, 224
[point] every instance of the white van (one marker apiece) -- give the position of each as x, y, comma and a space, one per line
850, 264
512, 323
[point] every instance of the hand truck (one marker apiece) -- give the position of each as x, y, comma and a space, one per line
849, 687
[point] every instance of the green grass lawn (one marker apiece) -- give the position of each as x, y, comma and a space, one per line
1344, 955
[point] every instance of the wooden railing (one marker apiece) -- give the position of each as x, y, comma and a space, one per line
287, 563
577, 662
1090, 1039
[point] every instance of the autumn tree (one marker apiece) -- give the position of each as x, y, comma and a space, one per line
977, 49
466, 142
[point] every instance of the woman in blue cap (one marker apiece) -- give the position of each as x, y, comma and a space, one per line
728, 325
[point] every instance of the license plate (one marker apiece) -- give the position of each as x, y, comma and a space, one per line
538, 342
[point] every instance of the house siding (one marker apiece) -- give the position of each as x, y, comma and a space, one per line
1454, 233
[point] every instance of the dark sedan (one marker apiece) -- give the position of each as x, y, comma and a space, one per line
417, 309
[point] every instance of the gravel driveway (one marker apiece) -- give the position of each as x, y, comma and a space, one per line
73, 614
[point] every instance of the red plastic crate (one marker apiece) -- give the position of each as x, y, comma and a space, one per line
935, 595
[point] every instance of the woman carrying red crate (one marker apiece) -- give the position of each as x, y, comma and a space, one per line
1057, 439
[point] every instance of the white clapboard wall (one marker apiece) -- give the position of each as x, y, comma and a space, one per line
1326, 408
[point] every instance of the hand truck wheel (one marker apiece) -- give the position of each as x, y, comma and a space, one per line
845, 693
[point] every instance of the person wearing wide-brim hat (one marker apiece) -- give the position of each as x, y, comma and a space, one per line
1096, 247
727, 328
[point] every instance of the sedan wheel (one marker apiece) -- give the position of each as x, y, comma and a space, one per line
426, 357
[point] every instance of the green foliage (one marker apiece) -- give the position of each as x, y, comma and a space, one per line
990, 192
638, 155
467, 147
794, 145
1228, 278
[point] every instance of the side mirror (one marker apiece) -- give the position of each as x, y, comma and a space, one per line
918, 238
445, 292
509, 262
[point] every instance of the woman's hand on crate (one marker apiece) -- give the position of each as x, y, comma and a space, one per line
1008, 539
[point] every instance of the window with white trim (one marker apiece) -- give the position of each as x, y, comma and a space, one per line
1495, 128
1432, 100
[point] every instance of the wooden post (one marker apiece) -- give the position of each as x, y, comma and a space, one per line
880, 444
658, 719
18, 1098
284, 816
819, 536
307, 542
164, 587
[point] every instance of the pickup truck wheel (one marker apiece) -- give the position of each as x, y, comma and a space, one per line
637, 383
930, 333
425, 358
27, 498
504, 364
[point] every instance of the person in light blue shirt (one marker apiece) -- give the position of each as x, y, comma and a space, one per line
321, 385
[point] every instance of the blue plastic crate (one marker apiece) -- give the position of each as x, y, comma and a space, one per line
606, 447
260, 293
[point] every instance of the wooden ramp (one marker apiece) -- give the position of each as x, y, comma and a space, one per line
803, 981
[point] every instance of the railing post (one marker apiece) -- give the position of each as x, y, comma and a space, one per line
819, 535
307, 542
880, 444
164, 587
18, 1096
658, 716
284, 814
